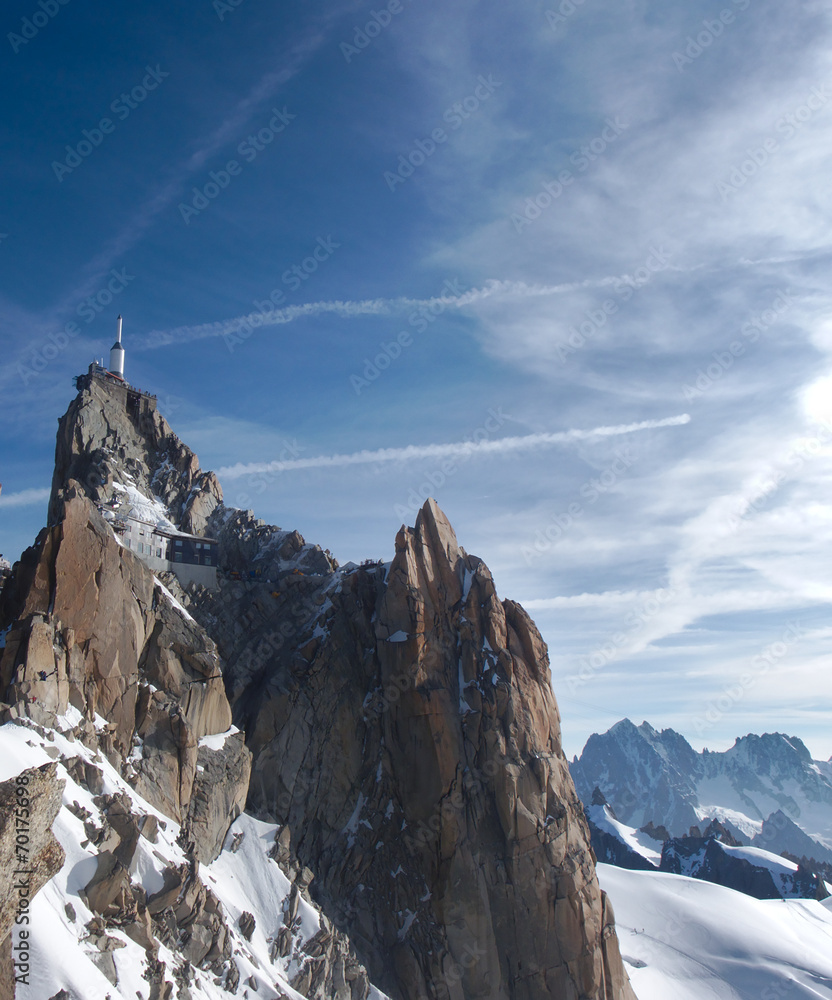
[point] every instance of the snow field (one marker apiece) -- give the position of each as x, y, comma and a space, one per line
684, 939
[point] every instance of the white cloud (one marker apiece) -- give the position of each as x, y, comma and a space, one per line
24, 498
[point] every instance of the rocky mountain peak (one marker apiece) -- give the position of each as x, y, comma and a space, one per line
772, 750
111, 433
657, 777
395, 722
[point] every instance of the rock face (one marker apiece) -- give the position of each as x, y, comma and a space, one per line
646, 776
107, 432
219, 794
93, 630
609, 848
29, 857
397, 722
657, 777
781, 835
29, 853
404, 730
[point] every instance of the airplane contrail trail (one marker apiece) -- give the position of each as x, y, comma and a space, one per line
365, 307
454, 449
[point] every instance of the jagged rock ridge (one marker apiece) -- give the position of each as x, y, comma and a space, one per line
404, 725
399, 722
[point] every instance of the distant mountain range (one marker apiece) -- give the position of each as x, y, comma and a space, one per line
766, 790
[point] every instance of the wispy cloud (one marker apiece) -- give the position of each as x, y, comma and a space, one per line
455, 449
25, 498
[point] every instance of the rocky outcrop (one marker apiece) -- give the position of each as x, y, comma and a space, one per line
652, 776
252, 548
108, 435
29, 857
780, 834
608, 848
29, 853
219, 794
645, 775
94, 630
404, 730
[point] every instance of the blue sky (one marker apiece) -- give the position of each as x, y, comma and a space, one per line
438, 240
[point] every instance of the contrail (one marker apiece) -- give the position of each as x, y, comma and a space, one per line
366, 307
455, 449
25, 498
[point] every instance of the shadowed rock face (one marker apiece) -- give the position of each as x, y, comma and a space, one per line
406, 734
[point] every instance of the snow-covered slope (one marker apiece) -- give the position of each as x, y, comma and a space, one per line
780, 834
635, 840
683, 939
66, 936
782, 870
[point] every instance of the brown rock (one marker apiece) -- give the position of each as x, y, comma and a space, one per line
246, 923
29, 804
414, 762
107, 891
219, 795
64, 649
173, 882
7, 976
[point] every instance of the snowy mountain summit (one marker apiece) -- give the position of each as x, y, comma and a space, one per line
766, 789
295, 781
